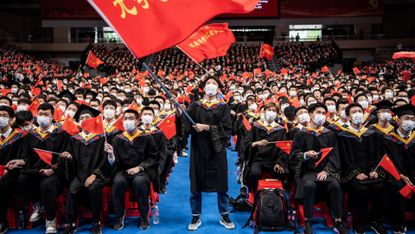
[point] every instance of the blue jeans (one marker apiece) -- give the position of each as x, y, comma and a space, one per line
196, 203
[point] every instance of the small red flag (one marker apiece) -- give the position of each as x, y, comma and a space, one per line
2, 169
406, 191
69, 126
356, 71
267, 51
119, 123
58, 114
94, 125
60, 85
93, 61
4, 92
246, 123
183, 99
324, 153
34, 106
168, 126
325, 69
257, 71
284, 146
134, 106
284, 71
103, 80
404, 54
208, 42
387, 164
45, 156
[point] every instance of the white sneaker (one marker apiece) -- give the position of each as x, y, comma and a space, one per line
226, 222
35, 216
50, 227
194, 224
184, 154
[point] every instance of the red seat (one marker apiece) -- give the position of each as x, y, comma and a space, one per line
320, 210
265, 183
131, 204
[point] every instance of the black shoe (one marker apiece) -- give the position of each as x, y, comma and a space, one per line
308, 227
341, 228
69, 229
3, 228
360, 229
96, 228
399, 230
144, 225
163, 188
119, 224
377, 228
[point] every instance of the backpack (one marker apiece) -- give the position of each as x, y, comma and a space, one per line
269, 211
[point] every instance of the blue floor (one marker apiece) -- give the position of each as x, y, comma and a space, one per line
175, 210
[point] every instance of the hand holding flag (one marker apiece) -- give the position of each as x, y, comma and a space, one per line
324, 152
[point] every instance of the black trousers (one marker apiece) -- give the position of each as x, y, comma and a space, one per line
166, 167
141, 186
398, 203
331, 186
94, 192
364, 193
7, 187
255, 174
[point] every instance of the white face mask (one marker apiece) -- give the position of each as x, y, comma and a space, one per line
4, 122
364, 104
357, 118
311, 103
167, 107
270, 116
389, 95
147, 119
118, 111
408, 125
237, 98
253, 107
70, 113
27, 128
129, 125
262, 116
343, 114
304, 118
211, 90
302, 102
156, 112
375, 97
292, 93
44, 121
21, 108
331, 108
62, 107
319, 119
385, 116
109, 113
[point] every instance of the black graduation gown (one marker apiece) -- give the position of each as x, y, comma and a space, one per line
111, 133
10, 149
241, 131
208, 162
309, 139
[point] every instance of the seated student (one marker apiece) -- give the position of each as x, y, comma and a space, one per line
307, 144
10, 143
384, 116
109, 115
134, 156
263, 154
24, 121
400, 146
359, 152
89, 161
302, 120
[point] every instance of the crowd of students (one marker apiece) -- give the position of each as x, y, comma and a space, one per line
362, 116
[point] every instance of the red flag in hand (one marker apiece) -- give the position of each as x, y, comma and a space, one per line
136, 22
69, 126
168, 126
356, 71
267, 51
119, 123
387, 164
34, 106
284, 146
134, 106
58, 114
45, 156
208, 42
404, 54
324, 153
246, 123
406, 191
325, 69
94, 125
60, 85
2, 169
93, 61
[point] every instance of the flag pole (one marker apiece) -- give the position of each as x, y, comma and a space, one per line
376, 168
168, 93
193, 60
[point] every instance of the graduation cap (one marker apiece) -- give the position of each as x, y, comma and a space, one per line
66, 93
407, 109
86, 109
384, 105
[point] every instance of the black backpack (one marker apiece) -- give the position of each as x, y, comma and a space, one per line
269, 211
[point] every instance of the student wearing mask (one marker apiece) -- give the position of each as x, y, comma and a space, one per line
109, 115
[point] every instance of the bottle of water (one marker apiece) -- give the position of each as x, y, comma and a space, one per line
156, 218
349, 220
21, 220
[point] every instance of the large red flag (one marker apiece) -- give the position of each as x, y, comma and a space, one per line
168, 126
209, 41
147, 26
266, 51
284, 145
45, 156
387, 164
93, 61
69, 126
324, 153
246, 123
404, 54
94, 125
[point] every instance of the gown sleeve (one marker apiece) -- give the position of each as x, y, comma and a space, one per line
221, 133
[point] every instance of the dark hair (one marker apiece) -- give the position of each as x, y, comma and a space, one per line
300, 108
6, 98
154, 103
46, 106
95, 100
8, 109
341, 101
24, 101
314, 106
269, 105
147, 108
137, 116
354, 104
23, 116
109, 103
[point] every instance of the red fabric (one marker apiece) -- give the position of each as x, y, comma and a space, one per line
134, 106
60, 85
2, 169
94, 125
406, 191
356, 71
208, 42
257, 71
284, 71
168, 126
58, 114
267, 51
246, 123
34, 106
119, 124
69, 126
413, 100
284, 146
103, 80
325, 69
137, 22
387, 164
404, 54
324, 153
45, 156
406, 75
93, 61
4, 92
228, 96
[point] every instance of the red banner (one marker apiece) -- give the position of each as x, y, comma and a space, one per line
147, 27
209, 41
267, 51
404, 55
